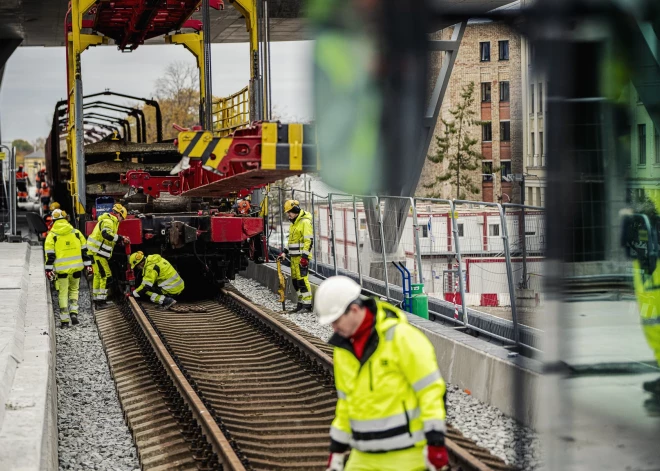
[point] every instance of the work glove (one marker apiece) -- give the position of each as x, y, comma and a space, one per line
282, 256
135, 294
126, 240
89, 269
50, 274
336, 461
436, 458
304, 264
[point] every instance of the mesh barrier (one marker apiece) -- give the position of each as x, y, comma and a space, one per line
231, 113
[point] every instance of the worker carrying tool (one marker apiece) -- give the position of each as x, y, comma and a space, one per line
301, 238
44, 194
391, 397
22, 182
101, 242
160, 281
41, 175
66, 256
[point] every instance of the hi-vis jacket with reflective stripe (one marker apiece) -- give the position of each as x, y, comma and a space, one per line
394, 397
66, 249
301, 236
102, 239
158, 271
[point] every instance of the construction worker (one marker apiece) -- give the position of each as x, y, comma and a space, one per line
101, 243
301, 238
44, 194
22, 182
48, 217
160, 281
41, 176
391, 397
66, 256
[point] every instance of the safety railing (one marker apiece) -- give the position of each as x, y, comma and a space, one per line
231, 113
470, 256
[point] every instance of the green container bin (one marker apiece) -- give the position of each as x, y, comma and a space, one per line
420, 305
420, 301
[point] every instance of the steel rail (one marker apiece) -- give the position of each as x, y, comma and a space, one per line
226, 455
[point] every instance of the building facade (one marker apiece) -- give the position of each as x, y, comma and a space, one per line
489, 57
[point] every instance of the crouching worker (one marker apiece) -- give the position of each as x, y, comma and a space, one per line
390, 395
160, 281
66, 256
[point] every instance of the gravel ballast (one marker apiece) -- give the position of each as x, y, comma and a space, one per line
91, 429
487, 426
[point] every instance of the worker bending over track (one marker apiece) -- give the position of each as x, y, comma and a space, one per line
66, 256
101, 243
390, 395
160, 281
301, 238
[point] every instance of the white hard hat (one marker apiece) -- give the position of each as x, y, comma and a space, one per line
333, 297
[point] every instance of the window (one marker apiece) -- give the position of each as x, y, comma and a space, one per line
505, 168
530, 196
493, 230
540, 98
460, 229
538, 203
485, 91
504, 91
533, 146
541, 147
656, 142
505, 131
487, 170
484, 49
486, 132
531, 99
641, 139
425, 232
504, 50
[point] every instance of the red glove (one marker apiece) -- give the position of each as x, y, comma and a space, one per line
127, 241
436, 457
336, 462
50, 274
90, 269
304, 262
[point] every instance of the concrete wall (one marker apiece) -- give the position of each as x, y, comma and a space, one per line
28, 391
470, 363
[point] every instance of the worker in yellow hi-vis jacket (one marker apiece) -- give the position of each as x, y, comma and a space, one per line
160, 281
66, 256
390, 394
301, 238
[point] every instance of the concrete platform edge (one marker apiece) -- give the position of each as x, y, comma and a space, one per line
470, 363
28, 433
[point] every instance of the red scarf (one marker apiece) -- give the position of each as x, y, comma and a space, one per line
361, 335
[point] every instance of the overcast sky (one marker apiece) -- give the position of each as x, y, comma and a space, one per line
35, 79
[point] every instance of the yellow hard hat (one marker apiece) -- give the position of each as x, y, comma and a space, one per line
291, 204
119, 209
135, 259
58, 214
54, 205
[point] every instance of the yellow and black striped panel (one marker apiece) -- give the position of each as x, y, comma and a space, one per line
289, 147
283, 147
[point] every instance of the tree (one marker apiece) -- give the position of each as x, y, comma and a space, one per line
39, 143
458, 147
22, 146
177, 93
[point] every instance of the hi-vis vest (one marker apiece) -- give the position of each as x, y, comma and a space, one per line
65, 248
159, 272
394, 395
301, 236
107, 226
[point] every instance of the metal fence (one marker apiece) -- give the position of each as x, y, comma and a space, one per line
231, 113
481, 263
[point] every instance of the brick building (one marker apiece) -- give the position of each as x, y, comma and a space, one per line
489, 56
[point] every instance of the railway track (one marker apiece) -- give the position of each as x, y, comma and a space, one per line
233, 386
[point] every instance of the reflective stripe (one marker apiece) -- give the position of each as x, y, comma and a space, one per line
136, 294
168, 281
172, 286
94, 242
389, 334
83, 246
104, 253
309, 237
398, 442
305, 252
153, 297
77, 265
339, 435
294, 246
68, 259
115, 238
435, 425
378, 425
341, 394
426, 381
294, 253
147, 283
50, 251
87, 263
651, 321
48, 267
